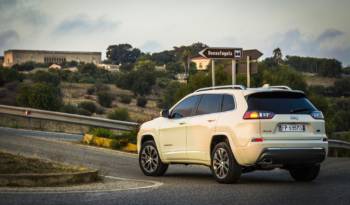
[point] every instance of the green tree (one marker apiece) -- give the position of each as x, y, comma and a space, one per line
122, 54
46, 77
89, 69
40, 95
9, 75
277, 56
284, 75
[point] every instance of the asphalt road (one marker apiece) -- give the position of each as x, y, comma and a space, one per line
181, 184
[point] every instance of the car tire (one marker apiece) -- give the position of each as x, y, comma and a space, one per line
149, 160
305, 172
224, 165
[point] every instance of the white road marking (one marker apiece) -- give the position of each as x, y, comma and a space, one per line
155, 184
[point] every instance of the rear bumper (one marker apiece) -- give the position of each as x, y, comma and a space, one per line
280, 149
291, 156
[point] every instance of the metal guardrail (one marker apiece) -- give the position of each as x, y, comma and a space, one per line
338, 144
69, 118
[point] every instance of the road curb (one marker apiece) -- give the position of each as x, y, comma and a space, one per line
50, 179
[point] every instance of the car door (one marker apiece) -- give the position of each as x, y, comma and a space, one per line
172, 133
201, 127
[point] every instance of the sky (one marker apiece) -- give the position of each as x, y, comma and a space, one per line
318, 28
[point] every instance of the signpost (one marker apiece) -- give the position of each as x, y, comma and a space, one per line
235, 54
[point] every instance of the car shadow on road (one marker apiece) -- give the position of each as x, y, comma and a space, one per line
259, 177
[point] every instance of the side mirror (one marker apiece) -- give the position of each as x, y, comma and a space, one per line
164, 113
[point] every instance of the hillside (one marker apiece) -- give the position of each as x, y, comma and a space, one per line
312, 80
74, 93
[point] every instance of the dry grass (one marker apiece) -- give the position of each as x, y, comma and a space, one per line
75, 93
318, 80
16, 164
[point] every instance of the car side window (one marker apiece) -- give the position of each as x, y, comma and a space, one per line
228, 103
185, 108
209, 103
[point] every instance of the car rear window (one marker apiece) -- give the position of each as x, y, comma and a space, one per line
280, 102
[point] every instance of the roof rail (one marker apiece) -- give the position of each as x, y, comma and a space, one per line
238, 87
283, 87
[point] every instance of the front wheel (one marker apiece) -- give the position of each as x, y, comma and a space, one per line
305, 172
149, 160
223, 164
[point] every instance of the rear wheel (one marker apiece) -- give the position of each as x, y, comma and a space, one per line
223, 164
149, 160
305, 172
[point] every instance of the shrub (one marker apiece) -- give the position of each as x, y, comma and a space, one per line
342, 87
129, 136
117, 144
119, 114
24, 66
100, 110
101, 87
9, 75
101, 132
39, 95
46, 77
82, 111
69, 108
125, 99
91, 90
105, 98
12, 86
88, 105
141, 101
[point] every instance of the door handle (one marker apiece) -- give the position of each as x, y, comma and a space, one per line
182, 123
211, 120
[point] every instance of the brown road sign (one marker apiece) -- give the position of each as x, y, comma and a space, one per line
222, 53
254, 54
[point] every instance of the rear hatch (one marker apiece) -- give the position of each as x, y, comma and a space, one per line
286, 115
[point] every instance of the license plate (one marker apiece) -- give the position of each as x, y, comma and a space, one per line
292, 128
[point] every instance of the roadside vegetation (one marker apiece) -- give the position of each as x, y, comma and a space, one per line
140, 89
114, 140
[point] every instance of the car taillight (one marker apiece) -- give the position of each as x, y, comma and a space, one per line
317, 115
259, 139
249, 115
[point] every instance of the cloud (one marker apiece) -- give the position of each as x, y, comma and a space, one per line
21, 12
331, 43
151, 46
84, 24
7, 4
8, 37
329, 34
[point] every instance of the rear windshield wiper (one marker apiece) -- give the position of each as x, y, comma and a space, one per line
297, 110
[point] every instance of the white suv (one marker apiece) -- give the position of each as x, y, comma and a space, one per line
234, 130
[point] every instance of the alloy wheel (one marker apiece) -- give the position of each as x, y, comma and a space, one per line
149, 158
221, 163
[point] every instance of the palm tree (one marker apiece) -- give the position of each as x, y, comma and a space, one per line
277, 55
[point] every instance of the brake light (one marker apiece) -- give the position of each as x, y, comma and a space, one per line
317, 115
249, 115
257, 139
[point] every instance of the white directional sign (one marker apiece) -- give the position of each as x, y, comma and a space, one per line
222, 53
